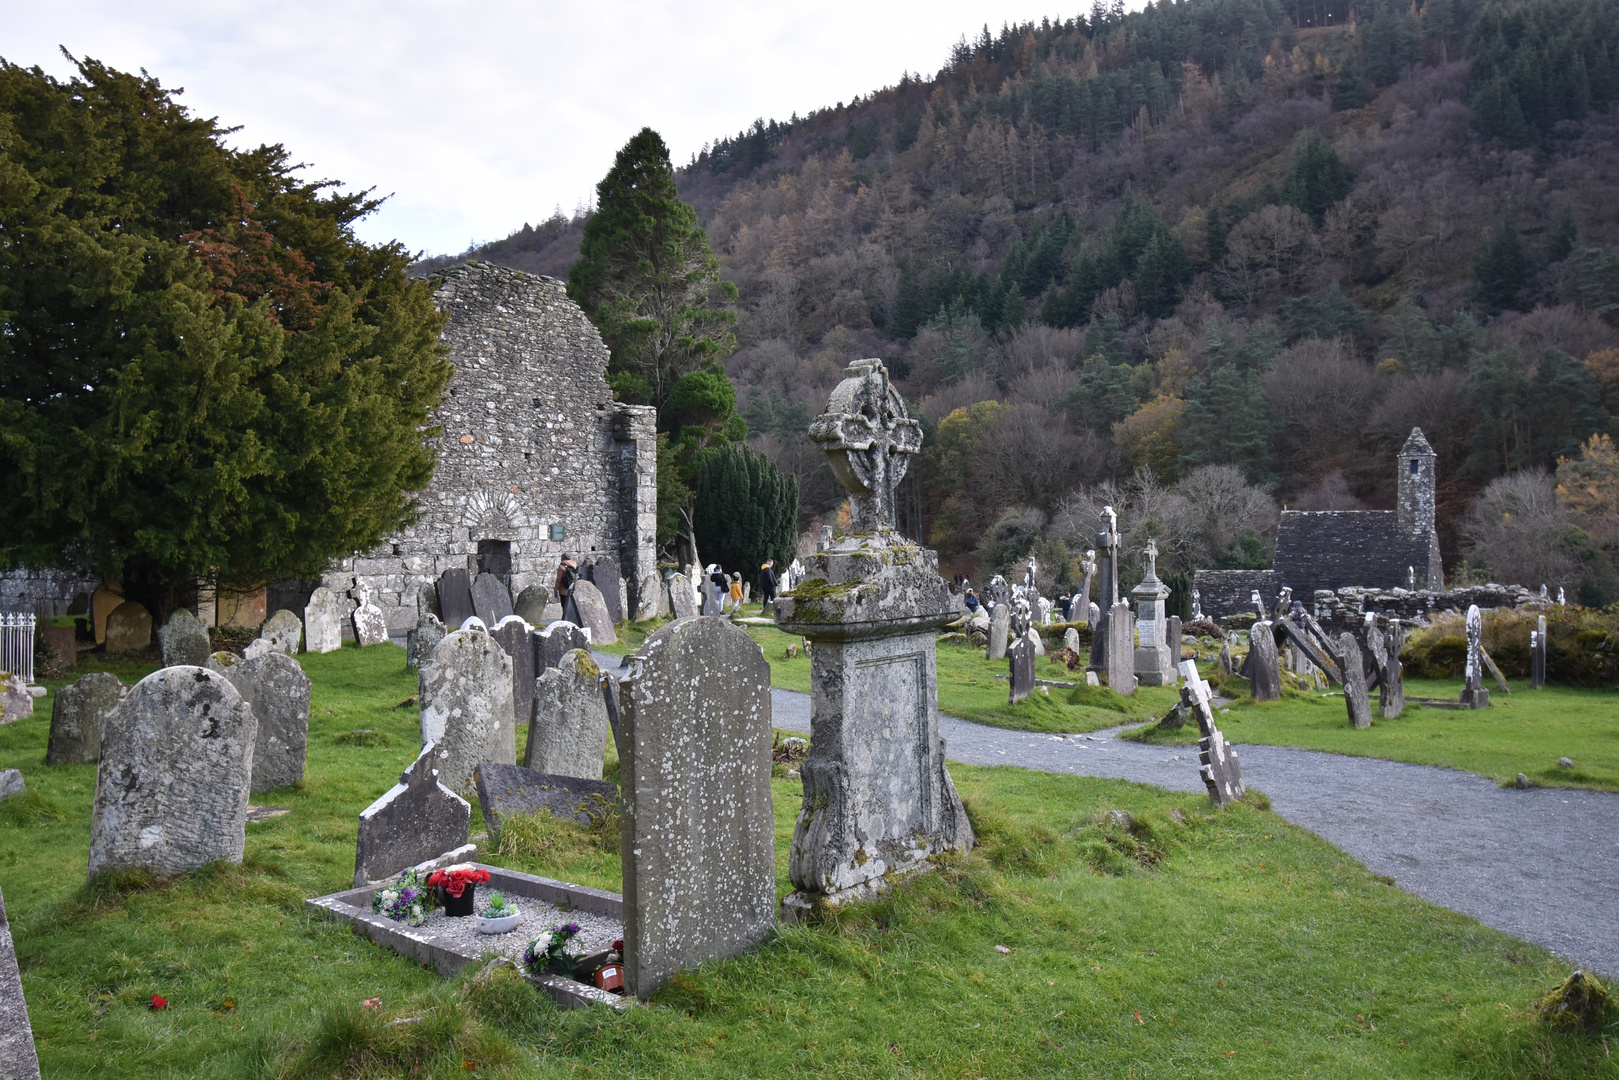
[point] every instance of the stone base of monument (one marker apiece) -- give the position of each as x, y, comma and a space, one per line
802, 907
1475, 699
448, 945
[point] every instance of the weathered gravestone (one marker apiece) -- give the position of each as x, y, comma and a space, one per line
60, 645
1172, 641
513, 789
1119, 629
593, 613
129, 628
698, 843
465, 695
1081, 606
1474, 695
1000, 629
102, 604
18, 1061
556, 641
1264, 663
1357, 699
77, 716
514, 636
323, 621
454, 597
1070, 639
15, 700
712, 604
879, 803
531, 603
1107, 542
184, 640
422, 639
567, 735
416, 820
284, 631
370, 625
491, 600
11, 783
276, 687
681, 601
1385, 653
602, 571
1153, 664
1537, 655
176, 769
1020, 658
1218, 764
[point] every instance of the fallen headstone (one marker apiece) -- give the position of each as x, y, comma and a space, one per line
530, 605
77, 715
513, 789
514, 636
284, 631
184, 640
454, 597
422, 639
567, 734
18, 1060
1357, 699
1217, 762
1264, 663
176, 767
491, 600
129, 628
323, 621
416, 820
465, 696
593, 613
278, 690
555, 642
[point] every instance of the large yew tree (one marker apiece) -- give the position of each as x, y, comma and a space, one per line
203, 373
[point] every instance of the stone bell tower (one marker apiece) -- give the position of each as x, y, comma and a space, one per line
1418, 481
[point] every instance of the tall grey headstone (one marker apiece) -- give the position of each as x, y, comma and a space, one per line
184, 640
530, 604
1264, 663
593, 613
602, 571
514, 636
1217, 762
1119, 626
129, 628
465, 696
681, 602
1107, 542
567, 735
176, 769
1172, 641
276, 687
1385, 655
284, 631
455, 597
323, 621
1537, 655
879, 803
1153, 664
491, 600
370, 625
698, 840
1020, 659
1474, 694
77, 716
1357, 699
555, 642
416, 820
1000, 629
513, 789
422, 639
18, 1060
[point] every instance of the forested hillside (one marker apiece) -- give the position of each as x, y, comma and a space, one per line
1201, 261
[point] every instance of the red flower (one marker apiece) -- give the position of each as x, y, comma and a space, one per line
159, 1001
454, 880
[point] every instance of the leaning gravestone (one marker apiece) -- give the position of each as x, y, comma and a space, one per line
1264, 663
602, 572
699, 845
129, 628
422, 639
568, 733
465, 693
77, 715
276, 687
513, 635
512, 789
284, 631
1020, 658
1000, 628
417, 820
491, 600
1120, 628
555, 642
530, 605
681, 601
455, 597
370, 627
176, 768
1218, 764
1356, 697
18, 1061
593, 613
323, 621
184, 640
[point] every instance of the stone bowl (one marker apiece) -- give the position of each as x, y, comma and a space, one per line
502, 925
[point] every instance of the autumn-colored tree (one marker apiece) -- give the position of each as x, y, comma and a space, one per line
1588, 487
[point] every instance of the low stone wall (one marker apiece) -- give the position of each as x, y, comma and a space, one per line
1346, 608
1230, 592
43, 592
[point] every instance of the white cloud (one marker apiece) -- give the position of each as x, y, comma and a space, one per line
477, 117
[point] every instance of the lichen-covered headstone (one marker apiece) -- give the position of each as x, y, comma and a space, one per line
491, 600
129, 628
1120, 630
593, 614
15, 700
184, 640
531, 603
513, 789
422, 639
275, 685
515, 637
323, 621
1357, 699
1385, 650
699, 845
1070, 639
77, 714
602, 572
1000, 629
1172, 640
416, 820
1020, 658
370, 626
284, 631
11, 783
555, 642
681, 601
465, 696
567, 735
18, 1060
1474, 694
1264, 663
176, 769
454, 597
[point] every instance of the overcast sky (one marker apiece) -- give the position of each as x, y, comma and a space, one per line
478, 117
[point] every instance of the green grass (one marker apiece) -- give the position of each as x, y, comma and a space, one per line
1525, 731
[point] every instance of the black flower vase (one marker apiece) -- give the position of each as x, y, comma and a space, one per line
457, 907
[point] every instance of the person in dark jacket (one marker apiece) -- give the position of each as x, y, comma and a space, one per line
972, 602
767, 581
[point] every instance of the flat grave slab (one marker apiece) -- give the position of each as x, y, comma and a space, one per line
448, 945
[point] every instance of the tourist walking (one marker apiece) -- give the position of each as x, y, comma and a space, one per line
767, 582
567, 574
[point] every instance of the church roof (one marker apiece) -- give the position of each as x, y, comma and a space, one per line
1329, 549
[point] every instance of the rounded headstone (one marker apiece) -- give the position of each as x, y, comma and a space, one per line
567, 734
422, 639
184, 640
531, 604
370, 627
283, 631
465, 697
275, 685
323, 621
77, 715
129, 628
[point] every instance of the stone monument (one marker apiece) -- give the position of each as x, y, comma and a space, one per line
515, 636
1264, 663
1154, 666
1082, 599
1474, 695
1000, 627
1020, 658
1107, 542
1357, 699
568, 733
681, 602
370, 627
593, 616
555, 642
1118, 627
129, 628
283, 631
491, 600
1537, 656
276, 687
465, 696
1218, 765
455, 597
323, 621
421, 640
77, 715
18, 1060
879, 803
184, 640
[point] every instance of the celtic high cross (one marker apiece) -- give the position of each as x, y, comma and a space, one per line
868, 439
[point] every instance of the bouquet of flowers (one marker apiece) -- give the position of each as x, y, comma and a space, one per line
403, 900
455, 879
548, 950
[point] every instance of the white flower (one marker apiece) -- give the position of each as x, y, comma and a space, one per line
542, 943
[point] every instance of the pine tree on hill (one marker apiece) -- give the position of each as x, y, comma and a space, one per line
747, 511
1317, 179
1502, 267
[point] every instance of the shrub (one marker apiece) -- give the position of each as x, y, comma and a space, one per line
1582, 645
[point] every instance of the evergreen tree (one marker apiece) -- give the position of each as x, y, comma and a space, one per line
646, 276
1325, 317
1564, 238
1317, 178
1565, 408
747, 511
1498, 389
1502, 267
1228, 421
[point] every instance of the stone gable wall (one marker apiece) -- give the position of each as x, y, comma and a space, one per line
1230, 592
